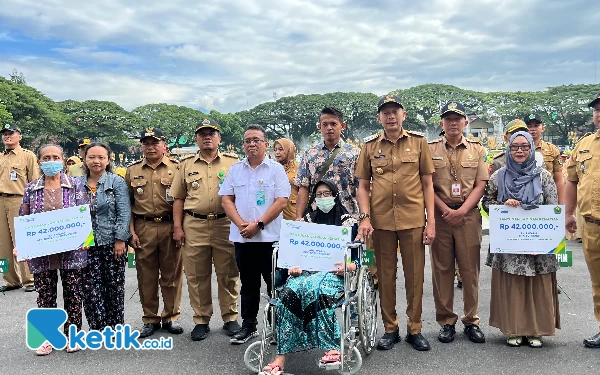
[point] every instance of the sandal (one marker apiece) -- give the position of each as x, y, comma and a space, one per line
535, 341
514, 341
270, 369
75, 349
44, 349
331, 356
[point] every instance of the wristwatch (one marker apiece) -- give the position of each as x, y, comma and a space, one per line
363, 216
261, 225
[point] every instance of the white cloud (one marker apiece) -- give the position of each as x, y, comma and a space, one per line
233, 54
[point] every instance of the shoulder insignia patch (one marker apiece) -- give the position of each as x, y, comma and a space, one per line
187, 157
499, 155
174, 160
230, 154
477, 141
418, 134
583, 136
134, 162
436, 140
371, 138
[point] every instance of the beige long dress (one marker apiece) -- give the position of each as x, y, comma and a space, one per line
524, 289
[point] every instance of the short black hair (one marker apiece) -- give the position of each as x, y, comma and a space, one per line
256, 127
109, 167
330, 110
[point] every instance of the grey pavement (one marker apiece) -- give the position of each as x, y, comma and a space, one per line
563, 353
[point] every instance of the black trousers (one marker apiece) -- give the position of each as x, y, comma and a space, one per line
253, 260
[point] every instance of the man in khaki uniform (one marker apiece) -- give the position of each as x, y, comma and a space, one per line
512, 127
202, 230
77, 168
18, 167
157, 260
400, 166
548, 151
583, 191
458, 181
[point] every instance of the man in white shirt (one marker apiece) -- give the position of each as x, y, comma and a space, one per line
253, 195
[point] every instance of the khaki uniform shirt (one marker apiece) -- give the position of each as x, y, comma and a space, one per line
584, 168
18, 167
551, 156
498, 162
464, 164
149, 188
198, 182
289, 212
76, 170
397, 201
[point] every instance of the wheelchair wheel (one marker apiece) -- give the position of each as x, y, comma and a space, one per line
367, 310
353, 362
252, 355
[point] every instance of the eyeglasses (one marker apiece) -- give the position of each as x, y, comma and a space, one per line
324, 194
522, 147
596, 111
253, 141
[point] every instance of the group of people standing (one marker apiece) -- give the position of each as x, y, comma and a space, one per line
212, 209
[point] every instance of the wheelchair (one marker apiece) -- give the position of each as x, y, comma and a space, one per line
356, 312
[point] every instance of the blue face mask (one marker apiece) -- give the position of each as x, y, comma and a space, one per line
51, 168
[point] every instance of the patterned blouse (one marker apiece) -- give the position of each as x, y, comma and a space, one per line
341, 171
522, 264
73, 194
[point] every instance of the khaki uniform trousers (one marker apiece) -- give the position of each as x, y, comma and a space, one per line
158, 262
591, 252
207, 242
461, 245
412, 252
18, 273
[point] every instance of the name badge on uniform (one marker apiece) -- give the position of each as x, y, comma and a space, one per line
168, 197
456, 190
13, 176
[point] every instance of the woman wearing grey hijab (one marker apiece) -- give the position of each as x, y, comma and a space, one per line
524, 303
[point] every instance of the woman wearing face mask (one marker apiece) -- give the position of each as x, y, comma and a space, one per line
55, 190
524, 303
319, 289
285, 154
104, 276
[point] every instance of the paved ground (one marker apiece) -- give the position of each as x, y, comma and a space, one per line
561, 354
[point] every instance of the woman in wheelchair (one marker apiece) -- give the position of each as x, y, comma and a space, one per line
305, 310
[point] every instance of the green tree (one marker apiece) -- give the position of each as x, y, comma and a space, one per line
17, 77
232, 131
36, 114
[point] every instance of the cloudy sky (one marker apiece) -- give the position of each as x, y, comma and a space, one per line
230, 55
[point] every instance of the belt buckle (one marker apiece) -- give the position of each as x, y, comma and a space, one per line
211, 217
158, 219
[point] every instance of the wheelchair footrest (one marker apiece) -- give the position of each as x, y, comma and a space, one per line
330, 365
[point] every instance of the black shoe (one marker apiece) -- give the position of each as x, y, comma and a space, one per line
5, 288
148, 329
173, 327
592, 342
387, 341
243, 335
447, 333
200, 332
30, 288
418, 342
231, 328
459, 285
474, 333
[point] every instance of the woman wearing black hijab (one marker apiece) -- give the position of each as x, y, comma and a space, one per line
524, 303
305, 309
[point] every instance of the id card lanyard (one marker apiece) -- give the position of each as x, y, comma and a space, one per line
260, 194
456, 185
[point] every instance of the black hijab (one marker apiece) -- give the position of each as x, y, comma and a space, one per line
333, 217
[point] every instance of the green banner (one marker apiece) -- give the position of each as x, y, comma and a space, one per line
368, 258
131, 260
565, 258
3, 265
